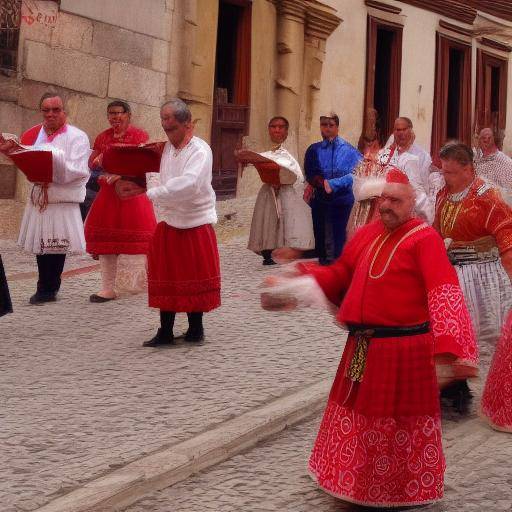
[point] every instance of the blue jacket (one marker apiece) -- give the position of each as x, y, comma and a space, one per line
332, 161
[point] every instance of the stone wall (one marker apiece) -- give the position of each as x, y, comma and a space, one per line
94, 53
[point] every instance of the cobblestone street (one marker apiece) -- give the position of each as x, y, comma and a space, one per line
273, 478
82, 396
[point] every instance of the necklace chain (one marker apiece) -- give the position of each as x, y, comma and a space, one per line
406, 235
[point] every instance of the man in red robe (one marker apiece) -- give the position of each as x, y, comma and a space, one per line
379, 443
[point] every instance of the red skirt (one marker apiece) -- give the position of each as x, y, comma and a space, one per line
119, 226
379, 443
496, 406
184, 269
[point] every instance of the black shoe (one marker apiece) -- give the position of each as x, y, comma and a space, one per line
463, 398
324, 261
194, 336
460, 396
99, 299
269, 261
42, 297
159, 339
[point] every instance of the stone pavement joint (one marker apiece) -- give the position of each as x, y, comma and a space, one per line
164, 468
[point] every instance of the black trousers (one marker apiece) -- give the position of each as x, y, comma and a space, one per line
50, 267
5, 298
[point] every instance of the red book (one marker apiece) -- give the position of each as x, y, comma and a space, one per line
269, 172
35, 164
133, 160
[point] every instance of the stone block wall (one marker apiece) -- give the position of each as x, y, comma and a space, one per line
95, 52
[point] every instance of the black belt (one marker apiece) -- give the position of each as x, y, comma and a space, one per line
383, 331
364, 333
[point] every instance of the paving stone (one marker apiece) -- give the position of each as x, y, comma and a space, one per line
80, 395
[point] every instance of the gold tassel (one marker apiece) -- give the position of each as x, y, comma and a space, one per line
357, 364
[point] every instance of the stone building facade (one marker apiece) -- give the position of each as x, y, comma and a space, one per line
239, 62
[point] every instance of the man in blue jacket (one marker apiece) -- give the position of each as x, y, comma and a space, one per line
329, 165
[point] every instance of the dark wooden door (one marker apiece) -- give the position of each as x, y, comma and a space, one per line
229, 126
232, 92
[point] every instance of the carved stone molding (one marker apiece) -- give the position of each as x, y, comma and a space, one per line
294, 10
455, 28
383, 7
498, 8
496, 45
457, 10
321, 20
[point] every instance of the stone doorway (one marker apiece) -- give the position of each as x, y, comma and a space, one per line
232, 92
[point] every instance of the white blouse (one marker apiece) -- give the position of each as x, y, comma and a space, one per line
182, 191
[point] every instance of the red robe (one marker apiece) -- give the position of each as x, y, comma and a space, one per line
496, 405
114, 225
379, 442
482, 213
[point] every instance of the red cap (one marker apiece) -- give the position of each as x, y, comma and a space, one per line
395, 175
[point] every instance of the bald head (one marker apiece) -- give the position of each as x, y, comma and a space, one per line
486, 142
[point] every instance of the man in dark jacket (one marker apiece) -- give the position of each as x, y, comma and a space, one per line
329, 165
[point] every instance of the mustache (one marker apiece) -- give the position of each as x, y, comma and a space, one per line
386, 210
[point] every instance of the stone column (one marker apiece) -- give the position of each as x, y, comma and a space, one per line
320, 22
193, 50
290, 63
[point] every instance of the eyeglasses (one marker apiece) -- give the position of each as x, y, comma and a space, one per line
326, 123
115, 112
55, 110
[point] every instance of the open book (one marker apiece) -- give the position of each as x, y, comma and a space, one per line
273, 172
36, 163
133, 160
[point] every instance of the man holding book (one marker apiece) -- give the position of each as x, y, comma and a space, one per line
52, 225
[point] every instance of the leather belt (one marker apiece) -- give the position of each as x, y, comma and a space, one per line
364, 333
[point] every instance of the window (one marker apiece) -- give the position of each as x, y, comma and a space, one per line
383, 73
10, 17
491, 93
452, 94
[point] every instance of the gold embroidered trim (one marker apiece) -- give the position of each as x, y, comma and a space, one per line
407, 235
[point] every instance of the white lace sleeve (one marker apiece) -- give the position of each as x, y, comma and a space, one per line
152, 180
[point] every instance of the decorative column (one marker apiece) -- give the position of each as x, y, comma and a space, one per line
290, 64
192, 59
321, 22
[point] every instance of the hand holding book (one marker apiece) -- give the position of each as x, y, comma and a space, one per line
126, 188
8, 142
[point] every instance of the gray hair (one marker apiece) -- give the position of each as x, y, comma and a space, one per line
180, 110
51, 94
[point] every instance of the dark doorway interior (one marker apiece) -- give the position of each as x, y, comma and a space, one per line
231, 92
454, 93
383, 66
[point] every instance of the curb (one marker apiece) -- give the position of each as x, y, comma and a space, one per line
127, 485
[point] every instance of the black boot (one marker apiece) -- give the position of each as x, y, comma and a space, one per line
267, 257
42, 297
460, 396
195, 332
164, 335
160, 338
463, 398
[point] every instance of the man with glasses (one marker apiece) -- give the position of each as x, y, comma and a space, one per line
52, 226
329, 165
117, 226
